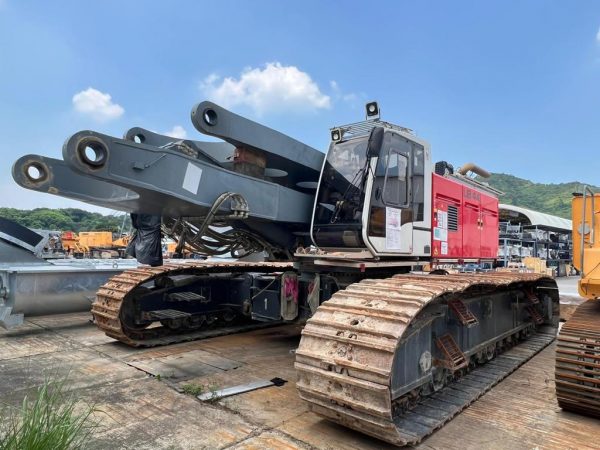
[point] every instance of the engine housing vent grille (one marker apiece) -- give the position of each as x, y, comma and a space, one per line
452, 218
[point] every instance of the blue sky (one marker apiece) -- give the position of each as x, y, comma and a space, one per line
513, 86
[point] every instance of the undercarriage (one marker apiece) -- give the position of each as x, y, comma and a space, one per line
393, 356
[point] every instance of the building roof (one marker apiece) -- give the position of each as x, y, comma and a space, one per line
516, 214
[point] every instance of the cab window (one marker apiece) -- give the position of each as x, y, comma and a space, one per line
395, 186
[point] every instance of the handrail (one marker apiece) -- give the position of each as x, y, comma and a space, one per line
586, 189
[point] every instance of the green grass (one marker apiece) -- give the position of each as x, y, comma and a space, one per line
196, 389
49, 418
193, 389
161, 377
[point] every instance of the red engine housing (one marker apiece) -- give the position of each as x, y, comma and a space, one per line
464, 221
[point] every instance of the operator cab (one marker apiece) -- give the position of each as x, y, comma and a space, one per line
372, 190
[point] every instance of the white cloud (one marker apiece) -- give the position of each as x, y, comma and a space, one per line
177, 132
598, 35
97, 105
352, 98
274, 87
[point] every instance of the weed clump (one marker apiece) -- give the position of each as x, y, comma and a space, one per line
49, 418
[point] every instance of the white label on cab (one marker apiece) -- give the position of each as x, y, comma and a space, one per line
392, 228
442, 220
191, 180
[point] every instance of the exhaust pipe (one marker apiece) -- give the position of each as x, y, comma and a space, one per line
472, 167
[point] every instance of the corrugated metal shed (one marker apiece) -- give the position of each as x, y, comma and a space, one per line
525, 216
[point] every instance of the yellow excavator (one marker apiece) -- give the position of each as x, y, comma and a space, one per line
85, 243
578, 346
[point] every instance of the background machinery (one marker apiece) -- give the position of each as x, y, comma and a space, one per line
31, 285
94, 243
578, 347
343, 238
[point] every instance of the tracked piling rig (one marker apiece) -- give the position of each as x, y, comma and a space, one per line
578, 348
386, 351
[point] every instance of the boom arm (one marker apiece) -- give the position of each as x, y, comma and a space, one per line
172, 183
196, 182
301, 162
53, 176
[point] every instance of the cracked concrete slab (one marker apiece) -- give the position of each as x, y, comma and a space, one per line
269, 440
268, 407
149, 414
75, 327
83, 368
30, 340
184, 366
322, 434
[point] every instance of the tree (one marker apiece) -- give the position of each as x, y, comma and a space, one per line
68, 219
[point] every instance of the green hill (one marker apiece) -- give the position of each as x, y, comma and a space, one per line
67, 219
549, 198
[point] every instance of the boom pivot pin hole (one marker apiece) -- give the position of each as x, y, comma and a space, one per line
92, 152
139, 138
210, 117
35, 172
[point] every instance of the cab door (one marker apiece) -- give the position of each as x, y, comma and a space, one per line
389, 221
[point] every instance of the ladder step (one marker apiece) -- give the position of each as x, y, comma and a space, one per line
455, 359
532, 298
162, 314
186, 297
535, 315
463, 313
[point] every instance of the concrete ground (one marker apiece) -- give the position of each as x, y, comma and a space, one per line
569, 296
567, 286
140, 403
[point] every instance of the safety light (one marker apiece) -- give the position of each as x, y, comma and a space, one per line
372, 110
336, 135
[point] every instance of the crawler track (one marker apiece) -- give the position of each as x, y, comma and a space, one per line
112, 297
578, 361
346, 357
